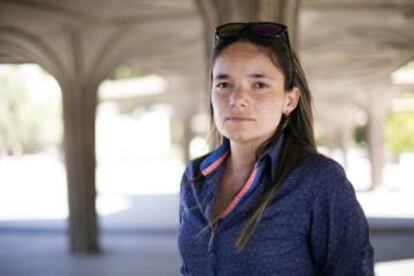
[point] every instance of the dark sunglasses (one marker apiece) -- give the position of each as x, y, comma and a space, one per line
261, 30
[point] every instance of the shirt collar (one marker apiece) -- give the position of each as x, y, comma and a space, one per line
273, 154
216, 158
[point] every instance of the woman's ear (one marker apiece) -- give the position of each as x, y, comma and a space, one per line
292, 100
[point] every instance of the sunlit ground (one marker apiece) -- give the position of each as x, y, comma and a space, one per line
34, 186
397, 268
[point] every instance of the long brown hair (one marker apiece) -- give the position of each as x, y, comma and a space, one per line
297, 127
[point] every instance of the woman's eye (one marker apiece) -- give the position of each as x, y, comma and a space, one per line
261, 85
223, 85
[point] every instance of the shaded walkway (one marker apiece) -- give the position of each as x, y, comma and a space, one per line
45, 254
142, 241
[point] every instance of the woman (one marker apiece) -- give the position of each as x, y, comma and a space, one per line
265, 202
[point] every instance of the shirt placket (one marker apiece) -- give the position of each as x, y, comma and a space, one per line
238, 208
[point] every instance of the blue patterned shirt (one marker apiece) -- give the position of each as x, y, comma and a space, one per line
313, 226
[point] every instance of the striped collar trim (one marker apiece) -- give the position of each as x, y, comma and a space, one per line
247, 189
215, 159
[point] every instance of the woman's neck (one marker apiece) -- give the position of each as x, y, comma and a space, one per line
242, 158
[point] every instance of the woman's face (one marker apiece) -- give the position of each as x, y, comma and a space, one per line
248, 95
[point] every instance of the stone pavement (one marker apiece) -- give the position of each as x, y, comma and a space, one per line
45, 254
142, 241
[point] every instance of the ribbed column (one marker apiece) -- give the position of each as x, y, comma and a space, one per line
216, 12
79, 108
79, 105
376, 116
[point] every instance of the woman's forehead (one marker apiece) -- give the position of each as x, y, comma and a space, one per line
242, 50
244, 60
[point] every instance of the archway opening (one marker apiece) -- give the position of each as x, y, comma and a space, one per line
33, 190
139, 159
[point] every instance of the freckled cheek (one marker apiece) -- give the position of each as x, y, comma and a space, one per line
217, 111
219, 104
270, 114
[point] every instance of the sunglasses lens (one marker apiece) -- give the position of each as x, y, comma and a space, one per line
268, 30
230, 30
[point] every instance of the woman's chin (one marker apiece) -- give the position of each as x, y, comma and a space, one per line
240, 137
246, 136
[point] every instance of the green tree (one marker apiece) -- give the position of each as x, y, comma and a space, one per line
399, 132
23, 121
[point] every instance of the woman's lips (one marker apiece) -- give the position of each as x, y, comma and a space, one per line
239, 119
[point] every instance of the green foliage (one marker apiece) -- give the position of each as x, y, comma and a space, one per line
25, 123
126, 72
177, 131
360, 134
399, 132
320, 138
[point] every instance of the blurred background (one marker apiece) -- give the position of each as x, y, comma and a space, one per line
102, 103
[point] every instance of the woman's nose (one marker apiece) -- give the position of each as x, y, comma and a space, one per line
239, 97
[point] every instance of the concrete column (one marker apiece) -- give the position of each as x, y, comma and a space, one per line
79, 106
63, 55
185, 116
377, 104
214, 13
345, 140
187, 136
376, 116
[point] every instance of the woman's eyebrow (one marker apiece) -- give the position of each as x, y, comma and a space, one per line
222, 76
258, 76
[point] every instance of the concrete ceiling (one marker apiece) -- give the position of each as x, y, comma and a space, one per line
173, 28
347, 47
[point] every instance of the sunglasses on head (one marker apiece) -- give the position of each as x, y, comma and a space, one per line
260, 30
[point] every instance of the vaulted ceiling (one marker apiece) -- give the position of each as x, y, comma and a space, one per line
349, 48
